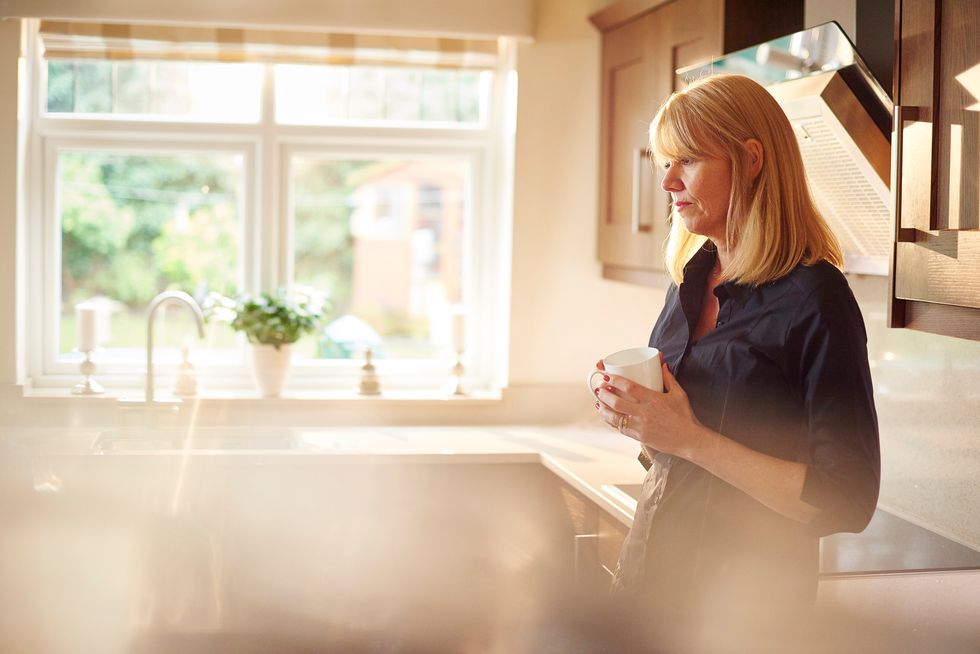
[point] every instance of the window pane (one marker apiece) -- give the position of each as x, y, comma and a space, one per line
133, 225
383, 239
61, 86
367, 92
317, 95
133, 90
198, 91
93, 87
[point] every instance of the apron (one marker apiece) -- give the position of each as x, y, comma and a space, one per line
632, 557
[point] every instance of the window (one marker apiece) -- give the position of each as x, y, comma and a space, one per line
134, 223
373, 176
174, 90
321, 95
358, 220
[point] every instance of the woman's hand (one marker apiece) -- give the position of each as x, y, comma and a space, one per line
666, 422
662, 421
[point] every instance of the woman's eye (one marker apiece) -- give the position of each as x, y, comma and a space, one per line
687, 161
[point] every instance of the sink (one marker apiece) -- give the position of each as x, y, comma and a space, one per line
201, 438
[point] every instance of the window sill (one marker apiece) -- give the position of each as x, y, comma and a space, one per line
537, 404
251, 396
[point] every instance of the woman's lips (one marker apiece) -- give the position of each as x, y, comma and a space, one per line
681, 205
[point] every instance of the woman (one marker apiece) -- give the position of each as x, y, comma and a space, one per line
765, 435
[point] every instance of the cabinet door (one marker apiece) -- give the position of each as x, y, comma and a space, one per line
626, 235
639, 60
936, 191
611, 534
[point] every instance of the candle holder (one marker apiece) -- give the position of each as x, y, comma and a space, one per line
89, 386
369, 377
455, 387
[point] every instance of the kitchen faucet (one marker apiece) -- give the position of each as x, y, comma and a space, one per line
162, 298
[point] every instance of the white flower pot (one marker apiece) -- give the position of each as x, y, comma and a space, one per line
270, 367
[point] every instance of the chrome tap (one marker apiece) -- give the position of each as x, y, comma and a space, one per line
162, 298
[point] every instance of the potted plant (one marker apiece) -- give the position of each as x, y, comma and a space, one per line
271, 322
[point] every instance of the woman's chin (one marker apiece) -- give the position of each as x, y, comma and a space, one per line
699, 227
692, 225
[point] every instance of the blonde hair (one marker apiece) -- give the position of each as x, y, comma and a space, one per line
773, 223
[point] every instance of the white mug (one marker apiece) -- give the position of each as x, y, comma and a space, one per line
638, 364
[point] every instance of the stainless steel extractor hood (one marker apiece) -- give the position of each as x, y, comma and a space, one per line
842, 119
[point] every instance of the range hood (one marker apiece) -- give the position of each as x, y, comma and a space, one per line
842, 119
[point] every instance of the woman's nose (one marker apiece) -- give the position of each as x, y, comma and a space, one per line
670, 181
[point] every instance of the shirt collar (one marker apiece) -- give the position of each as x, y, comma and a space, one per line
699, 265
698, 268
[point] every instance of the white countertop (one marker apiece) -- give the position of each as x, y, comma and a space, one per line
587, 456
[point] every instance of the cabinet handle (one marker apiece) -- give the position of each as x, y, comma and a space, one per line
639, 154
903, 114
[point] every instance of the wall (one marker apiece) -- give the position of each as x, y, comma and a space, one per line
564, 316
927, 392
10, 339
816, 12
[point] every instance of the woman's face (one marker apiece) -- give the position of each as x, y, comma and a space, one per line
701, 190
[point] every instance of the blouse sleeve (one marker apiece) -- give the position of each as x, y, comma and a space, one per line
840, 446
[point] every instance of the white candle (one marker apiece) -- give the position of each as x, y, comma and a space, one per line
459, 336
86, 315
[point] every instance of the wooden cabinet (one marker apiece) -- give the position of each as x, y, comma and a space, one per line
936, 168
611, 534
581, 510
643, 44
598, 538
639, 58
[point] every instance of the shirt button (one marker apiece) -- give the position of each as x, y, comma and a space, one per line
719, 323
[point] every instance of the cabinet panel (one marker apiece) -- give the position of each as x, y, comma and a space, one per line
639, 59
581, 511
628, 146
944, 268
937, 151
626, 235
612, 533
958, 162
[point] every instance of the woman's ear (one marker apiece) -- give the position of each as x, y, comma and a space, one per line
754, 148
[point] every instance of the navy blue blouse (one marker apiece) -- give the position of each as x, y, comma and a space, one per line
785, 372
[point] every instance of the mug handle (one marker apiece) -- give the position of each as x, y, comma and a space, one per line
588, 380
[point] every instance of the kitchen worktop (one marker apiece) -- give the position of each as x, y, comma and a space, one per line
121, 499
595, 460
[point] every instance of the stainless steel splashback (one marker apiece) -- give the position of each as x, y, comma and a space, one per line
842, 120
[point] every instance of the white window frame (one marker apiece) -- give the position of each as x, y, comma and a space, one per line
53, 363
266, 247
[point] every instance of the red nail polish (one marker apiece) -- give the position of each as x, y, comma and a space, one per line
596, 405
609, 388
605, 378
597, 391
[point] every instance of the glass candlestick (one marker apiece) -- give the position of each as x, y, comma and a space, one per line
89, 386
456, 386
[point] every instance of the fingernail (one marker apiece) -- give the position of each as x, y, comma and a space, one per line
597, 391
596, 405
605, 378
609, 388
